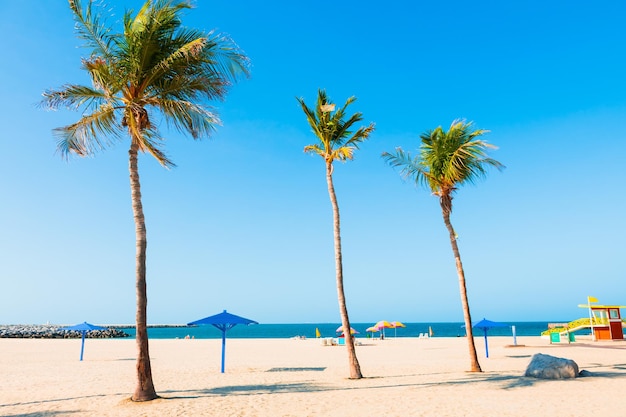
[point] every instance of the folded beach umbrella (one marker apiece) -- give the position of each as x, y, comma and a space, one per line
83, 327
486, 325
223, 321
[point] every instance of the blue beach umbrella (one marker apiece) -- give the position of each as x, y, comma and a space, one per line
486, 325
83, 327
223, 321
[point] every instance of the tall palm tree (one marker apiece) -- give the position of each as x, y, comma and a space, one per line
337, 142
446, 161
155, 67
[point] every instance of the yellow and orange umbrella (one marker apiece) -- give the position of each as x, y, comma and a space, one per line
372, 329
340, 330
382, 325
395, 325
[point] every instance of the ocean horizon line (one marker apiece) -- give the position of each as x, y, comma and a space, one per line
310, 330
368, 323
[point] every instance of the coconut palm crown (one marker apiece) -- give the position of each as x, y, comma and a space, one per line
336, 140
154, 69
155, 66
446, 161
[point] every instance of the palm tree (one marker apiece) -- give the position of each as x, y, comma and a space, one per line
337, 142
446, 161
154, 67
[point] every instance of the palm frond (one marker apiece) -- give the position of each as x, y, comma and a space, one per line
105, 76
188, 117
322, 101
314, 149
185, 54
410, 168
150, 142
91, 133
72, 97
147, 38
343, 153
92, 29
360, 135
312, 117
342, 128
226, 57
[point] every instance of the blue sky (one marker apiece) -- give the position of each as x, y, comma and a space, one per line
244, 222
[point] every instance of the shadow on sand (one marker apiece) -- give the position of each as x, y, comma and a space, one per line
54, 400
496, 380
44, 414
492, 380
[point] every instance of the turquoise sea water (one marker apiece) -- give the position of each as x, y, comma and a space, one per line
267, 331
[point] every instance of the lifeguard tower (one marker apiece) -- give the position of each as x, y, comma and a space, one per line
605, 320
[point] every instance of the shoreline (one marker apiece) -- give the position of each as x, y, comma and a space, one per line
302, 330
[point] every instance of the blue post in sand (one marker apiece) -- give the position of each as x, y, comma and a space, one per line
82, 345
223, 347
486, 345
514, 336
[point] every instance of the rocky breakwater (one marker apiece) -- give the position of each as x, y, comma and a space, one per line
50, 331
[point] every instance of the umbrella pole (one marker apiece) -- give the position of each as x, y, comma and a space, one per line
82, 345
486, 345
223, 348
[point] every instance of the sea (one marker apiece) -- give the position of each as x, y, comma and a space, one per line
308, 330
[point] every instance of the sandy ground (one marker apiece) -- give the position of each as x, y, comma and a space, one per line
289, 377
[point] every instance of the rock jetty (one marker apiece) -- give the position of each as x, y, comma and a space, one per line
50, 331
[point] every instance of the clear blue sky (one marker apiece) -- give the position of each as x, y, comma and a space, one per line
244, 222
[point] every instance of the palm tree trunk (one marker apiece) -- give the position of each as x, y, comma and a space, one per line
144, 390
355, 368
446, 208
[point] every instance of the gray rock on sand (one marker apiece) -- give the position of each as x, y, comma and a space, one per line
550, 367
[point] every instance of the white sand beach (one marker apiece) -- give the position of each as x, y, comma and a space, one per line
290, 377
